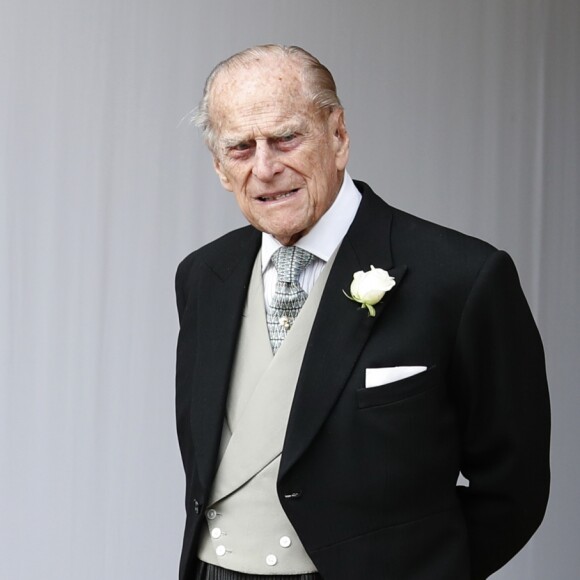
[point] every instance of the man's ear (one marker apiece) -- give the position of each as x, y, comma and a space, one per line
217, 165
341, 138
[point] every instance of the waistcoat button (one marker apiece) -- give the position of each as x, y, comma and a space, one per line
271, 560
216, 533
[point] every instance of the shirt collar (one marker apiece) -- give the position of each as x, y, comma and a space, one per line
327, 234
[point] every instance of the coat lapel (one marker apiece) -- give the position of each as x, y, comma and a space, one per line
222, 293
341, 329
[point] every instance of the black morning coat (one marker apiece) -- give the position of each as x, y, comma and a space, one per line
368, 477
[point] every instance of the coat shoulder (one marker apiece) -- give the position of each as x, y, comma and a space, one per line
412, 235
414, 240
221, 251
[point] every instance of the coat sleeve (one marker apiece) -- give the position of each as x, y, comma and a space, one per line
180, 292
499, 379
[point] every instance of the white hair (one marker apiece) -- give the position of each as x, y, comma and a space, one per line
319, 84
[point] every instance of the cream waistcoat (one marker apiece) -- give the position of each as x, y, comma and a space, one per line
248, 530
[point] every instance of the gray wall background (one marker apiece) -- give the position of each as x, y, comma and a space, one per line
466, 112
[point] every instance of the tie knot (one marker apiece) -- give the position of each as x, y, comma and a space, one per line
289, 262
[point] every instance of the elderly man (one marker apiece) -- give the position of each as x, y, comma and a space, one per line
322, 422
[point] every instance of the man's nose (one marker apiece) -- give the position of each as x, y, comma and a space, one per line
266, 161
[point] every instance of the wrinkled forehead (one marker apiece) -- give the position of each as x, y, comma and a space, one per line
265, 83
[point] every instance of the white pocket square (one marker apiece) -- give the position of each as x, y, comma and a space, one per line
386, 375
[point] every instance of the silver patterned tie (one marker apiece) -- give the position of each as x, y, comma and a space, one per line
289, 297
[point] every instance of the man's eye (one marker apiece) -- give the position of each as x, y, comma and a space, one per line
288, 138
241, 147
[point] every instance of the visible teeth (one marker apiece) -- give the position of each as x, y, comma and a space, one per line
280, 196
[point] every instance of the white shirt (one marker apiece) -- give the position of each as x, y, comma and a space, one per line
321, 241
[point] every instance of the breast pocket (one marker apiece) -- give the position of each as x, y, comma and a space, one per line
399, 390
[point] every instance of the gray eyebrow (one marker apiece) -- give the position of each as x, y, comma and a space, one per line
292, 127
227, 143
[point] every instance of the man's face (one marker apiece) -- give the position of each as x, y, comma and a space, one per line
283, 159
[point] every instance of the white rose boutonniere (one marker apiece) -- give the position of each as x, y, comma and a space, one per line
368, 288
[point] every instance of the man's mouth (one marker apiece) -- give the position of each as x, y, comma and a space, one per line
277, 196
